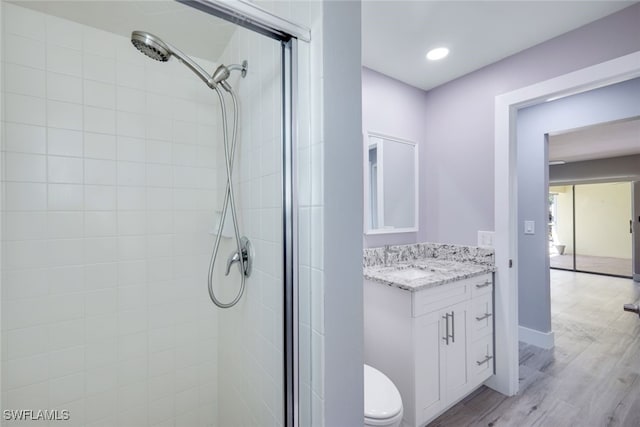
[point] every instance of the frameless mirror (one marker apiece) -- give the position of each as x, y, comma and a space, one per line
391, 185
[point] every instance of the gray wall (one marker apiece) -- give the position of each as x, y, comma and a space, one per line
609, 103
343, 391
613, 169
395, 109
457, 186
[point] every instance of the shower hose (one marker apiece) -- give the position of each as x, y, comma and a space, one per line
229, 202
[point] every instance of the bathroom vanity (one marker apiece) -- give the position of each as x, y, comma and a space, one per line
428, 315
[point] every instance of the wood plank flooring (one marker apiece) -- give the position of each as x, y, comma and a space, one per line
592, 376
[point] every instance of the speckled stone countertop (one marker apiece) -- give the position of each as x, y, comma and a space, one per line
425, 273
425, 265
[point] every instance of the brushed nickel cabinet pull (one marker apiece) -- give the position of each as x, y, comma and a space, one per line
446, 334
484, 316
483, 285
453, 326
485, 360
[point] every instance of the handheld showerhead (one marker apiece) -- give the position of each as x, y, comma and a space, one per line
151, 46
155, 48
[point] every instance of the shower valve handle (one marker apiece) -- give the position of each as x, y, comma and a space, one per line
244, 256
233, 258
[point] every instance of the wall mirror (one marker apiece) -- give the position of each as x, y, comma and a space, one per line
390, 185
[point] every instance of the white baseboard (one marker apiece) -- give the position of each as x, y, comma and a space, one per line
537, 338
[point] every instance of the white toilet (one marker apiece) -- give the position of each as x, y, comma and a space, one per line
382, 401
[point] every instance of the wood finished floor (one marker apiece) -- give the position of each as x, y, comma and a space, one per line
591, 377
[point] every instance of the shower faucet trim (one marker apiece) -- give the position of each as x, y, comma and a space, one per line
155, 48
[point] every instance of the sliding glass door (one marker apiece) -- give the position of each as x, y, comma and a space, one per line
589, 228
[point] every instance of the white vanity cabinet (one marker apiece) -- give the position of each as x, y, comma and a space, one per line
435, 344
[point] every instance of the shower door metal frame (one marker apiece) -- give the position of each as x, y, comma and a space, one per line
290, 231
287, 33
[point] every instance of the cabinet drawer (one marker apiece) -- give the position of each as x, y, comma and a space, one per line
481, 360
481, 285
482, 315
430, 300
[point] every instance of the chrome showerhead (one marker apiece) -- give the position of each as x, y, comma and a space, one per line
151, 46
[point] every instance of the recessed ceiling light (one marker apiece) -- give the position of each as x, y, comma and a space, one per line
556, 162
437, 53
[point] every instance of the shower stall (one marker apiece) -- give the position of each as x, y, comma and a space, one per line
149, 258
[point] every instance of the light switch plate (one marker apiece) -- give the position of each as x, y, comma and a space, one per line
529, 227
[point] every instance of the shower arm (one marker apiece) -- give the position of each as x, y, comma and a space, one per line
239, 67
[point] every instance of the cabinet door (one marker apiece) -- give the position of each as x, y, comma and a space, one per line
427, 366
453, 351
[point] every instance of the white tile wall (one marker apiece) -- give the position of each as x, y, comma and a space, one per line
108, 188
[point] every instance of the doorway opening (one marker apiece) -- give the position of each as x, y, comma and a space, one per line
506, 224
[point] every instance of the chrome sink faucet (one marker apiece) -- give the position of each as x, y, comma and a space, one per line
389, 251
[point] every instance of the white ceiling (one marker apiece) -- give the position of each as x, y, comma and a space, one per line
190, 30
613, 139
396, 35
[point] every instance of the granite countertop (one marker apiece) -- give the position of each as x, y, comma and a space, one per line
425, 273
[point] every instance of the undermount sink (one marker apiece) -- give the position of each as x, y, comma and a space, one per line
417, 272
412, 273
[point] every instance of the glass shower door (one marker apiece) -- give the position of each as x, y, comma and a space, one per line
113, 182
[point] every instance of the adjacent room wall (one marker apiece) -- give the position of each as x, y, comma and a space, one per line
395, 109
457, 188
